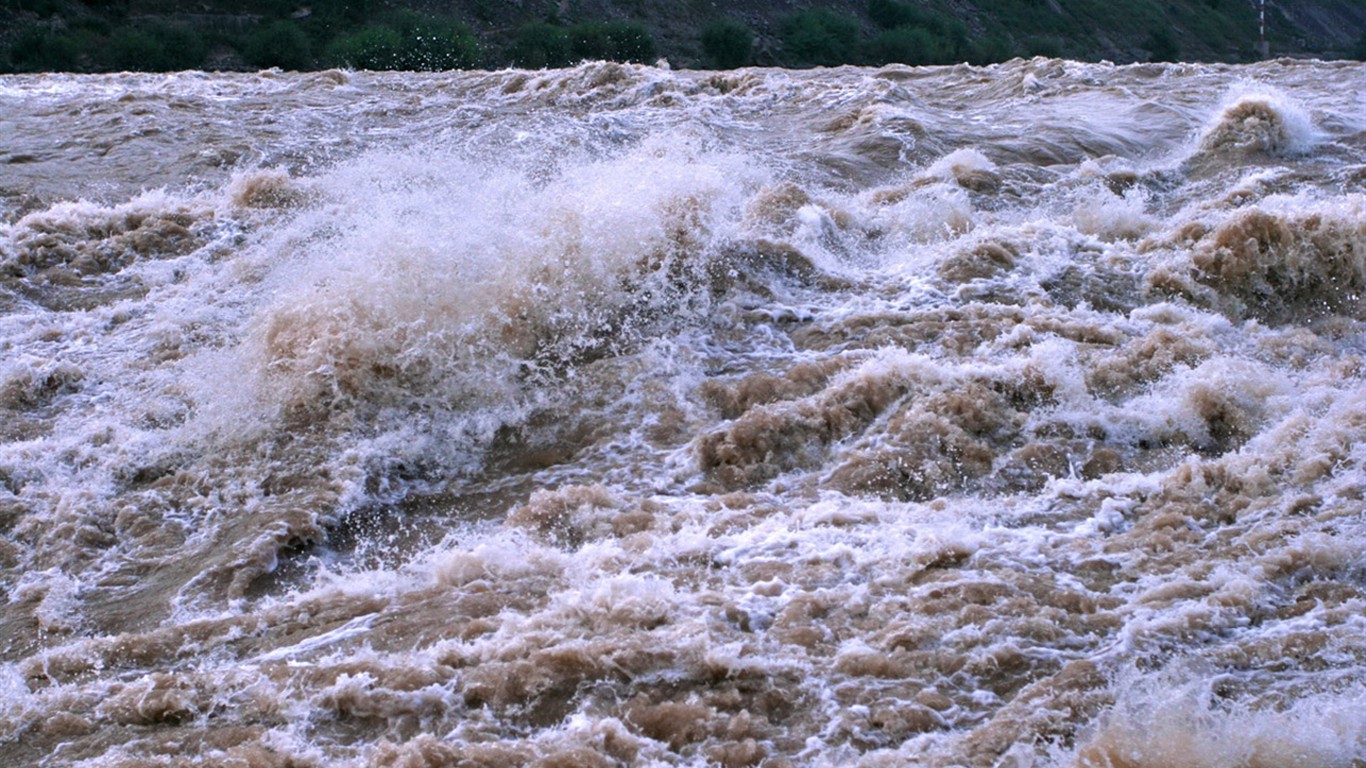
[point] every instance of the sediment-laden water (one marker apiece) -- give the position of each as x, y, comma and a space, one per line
1006, 416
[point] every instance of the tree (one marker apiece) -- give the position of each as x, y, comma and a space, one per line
419, 43
820, 37
280, 44
991, 49
431, 44
1162, 46
907, 45
39, 48
375, 47
727, 43
155, 48
613, 41
539, 45
890, 14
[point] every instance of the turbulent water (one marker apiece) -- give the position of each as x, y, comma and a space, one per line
1007, 416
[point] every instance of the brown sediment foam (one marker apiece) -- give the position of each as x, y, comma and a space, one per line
1295, 347
676, 723
775, 207
1159, 721
138, 554
156, 698
1146, 359
569, 514
760, 260
955, 330
736, 83
359, 343
778, 627
770, 439
265, 188
128, 651
985, 259
541, 687
1253, 125
732, 397
937, 444
72, 256
1283, 267
591, 82
288, 526
1043, 711
83, 239
980, 180
26, 386
1230, 415
968, 175
333, 353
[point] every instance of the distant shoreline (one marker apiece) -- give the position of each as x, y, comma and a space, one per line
212, 35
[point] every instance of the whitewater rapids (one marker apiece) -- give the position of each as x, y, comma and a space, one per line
1009, 416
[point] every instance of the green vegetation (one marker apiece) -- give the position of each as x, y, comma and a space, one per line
41, 49
152, 35
907, 45
991, 49
539, 45
543, 44
155, 48
378, 47
727, 44
893, 14
279, 44
820, 37
917, 35
612, 41
1162, 46
408, 42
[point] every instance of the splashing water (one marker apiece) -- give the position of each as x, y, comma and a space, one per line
623, 416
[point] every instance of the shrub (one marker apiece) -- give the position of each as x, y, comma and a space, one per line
908, 45
1162, 46
132, 49
419, 43
1044, 46
727, 43
890, 14
436, 44
819, 37
281, 44
375, 47
182, 47
155, 48
991, 49
613, 40
958, 41
349, 13
42, 49
539, 45
39, 7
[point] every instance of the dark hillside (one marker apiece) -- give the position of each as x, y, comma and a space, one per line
42, 35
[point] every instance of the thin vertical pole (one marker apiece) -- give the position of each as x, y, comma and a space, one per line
1263, 47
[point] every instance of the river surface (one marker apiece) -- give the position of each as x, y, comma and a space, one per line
619, 416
